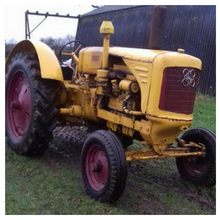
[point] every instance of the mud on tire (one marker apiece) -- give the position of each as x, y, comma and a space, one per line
30, 106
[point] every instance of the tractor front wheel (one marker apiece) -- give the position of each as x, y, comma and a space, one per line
200, 170
104, 169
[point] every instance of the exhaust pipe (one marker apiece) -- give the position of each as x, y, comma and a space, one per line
157, 26
106, 29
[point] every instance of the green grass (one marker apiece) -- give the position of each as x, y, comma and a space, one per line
205, 112
52, 184
35, 187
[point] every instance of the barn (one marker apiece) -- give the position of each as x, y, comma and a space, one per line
192, 28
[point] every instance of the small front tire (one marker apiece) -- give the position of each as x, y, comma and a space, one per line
104, 169
200, 170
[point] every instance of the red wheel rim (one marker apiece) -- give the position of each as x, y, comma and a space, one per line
197, 166
97, 167
18, 105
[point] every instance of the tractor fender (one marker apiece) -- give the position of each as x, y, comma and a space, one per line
49, 64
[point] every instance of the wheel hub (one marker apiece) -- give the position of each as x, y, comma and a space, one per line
197, 166
18, 105
97, 168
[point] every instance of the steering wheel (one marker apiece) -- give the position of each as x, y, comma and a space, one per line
68, 50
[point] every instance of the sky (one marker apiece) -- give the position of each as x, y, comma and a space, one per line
52, 26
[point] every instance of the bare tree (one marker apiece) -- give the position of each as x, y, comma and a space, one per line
9, 45
57, 43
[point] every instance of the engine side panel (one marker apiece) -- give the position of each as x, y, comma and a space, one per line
90, 60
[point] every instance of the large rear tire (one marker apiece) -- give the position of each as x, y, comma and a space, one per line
200, 170
104, 169
30, 106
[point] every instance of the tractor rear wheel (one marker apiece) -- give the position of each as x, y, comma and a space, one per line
30, 106
200, 170
104, 169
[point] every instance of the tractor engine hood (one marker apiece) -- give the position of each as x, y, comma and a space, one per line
137, 54
90, 58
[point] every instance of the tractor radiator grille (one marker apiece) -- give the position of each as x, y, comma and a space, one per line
178, 90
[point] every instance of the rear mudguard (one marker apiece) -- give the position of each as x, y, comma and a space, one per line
49, 64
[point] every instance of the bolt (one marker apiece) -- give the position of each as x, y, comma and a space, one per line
97, 166
15, 105
94, 167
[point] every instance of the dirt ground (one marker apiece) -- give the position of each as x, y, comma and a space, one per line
152, 187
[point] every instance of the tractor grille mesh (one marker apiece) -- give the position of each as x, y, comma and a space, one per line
178, 90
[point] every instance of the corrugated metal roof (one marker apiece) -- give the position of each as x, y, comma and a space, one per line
109, 8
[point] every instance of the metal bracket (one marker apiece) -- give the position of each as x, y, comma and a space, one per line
27, 25
184, 150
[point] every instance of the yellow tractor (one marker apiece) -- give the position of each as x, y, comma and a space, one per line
121, 94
